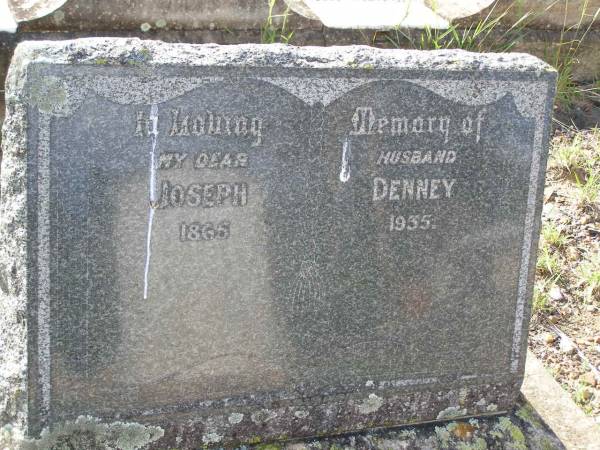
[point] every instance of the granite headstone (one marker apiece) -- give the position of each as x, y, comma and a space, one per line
243, 243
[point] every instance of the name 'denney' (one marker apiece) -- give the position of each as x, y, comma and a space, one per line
412, 189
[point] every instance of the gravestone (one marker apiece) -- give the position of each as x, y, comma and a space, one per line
233, 244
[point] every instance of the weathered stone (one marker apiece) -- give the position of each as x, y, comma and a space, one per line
261, 242
246, 14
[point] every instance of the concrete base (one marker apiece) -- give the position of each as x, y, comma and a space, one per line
567, 421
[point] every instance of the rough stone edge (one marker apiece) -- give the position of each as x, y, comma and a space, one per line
13, 260
119, 51
14, 326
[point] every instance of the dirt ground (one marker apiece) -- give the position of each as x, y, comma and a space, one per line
565, 326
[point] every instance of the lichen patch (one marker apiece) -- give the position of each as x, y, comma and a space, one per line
263, 416
371, 404
300, 414
235, 418
451, 412
212, 438
90, 433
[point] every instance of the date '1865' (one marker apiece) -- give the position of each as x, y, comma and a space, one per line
197, 231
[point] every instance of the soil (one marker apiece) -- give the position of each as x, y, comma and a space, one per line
565, 331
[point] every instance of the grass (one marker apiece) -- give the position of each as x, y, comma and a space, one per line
488, 34
577, 158
563, 56
552, 236
589, 275
588, 189
274, 32
480, 36
581, 399
569, 156
549, 264
541, 302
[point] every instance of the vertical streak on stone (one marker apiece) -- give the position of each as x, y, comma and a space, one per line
86, 314
346, 155
43, 260
152, 194
529, 228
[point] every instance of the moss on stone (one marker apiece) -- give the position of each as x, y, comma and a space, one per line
443, 436
506, 426
269, 447
477, 444
527, 414
48, 93
253, 440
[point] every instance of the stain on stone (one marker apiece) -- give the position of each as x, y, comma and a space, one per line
463, 430
49, 94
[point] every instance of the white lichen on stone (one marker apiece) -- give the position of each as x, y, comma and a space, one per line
451, 412
371, 404
407, 434
492, 407
443, 436
90, 432
301, 414
462, 395
235, 418
211, 438
263, 416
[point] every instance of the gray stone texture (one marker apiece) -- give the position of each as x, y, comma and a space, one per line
251, 242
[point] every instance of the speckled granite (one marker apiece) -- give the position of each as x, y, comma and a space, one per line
214, 245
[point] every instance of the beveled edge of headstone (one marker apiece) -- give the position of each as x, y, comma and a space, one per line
138, 54
123, 51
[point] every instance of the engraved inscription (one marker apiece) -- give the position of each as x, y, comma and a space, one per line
199, 195
205, 123
412, 222
393, 158
171, 160
411, 189
203, 195
208, 231
218, 160
365, 121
